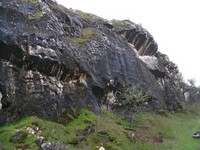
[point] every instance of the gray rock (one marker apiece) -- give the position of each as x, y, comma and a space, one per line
157, 69
40, 141
55, 61
53, 146
18, 137
196, 135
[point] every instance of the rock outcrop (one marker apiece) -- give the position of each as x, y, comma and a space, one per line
139, 37
54, 61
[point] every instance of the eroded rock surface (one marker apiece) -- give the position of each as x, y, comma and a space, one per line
54, 61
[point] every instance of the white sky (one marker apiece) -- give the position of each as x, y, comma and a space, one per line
174, 24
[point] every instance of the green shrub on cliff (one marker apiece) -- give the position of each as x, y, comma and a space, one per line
131, 96
117, 23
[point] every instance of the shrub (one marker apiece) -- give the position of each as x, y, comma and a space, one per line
131, 96
117, 23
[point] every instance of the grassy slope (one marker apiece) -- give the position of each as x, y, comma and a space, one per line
152, 131
109, 125
185, 124
175, 130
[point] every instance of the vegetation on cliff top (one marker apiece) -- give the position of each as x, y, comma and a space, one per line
85, 36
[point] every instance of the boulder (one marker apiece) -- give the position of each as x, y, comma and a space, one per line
196, 135
53, 146
19, 137
155, 66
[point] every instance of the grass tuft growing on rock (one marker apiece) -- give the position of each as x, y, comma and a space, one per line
37, 16
86, 16
29, 1
85, 36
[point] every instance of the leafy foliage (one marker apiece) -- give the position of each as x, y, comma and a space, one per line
131, 97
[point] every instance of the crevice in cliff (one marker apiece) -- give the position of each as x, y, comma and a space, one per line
47, 66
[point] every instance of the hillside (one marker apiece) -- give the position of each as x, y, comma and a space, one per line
56, 62
150, 131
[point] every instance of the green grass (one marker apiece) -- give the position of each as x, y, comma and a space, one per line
175, 130
86, 35
37, 16
28, 1
86, 16
9, 130
56, 7
117, 23
153, 131
105, 128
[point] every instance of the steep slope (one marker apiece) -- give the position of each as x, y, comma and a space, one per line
55, 61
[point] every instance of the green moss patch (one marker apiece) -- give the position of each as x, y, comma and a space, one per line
37, 16
86, 131
86, 36
87, 16
29, 1
26, 141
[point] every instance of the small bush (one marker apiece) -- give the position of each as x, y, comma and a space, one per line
162, 112
117, 23
131, 97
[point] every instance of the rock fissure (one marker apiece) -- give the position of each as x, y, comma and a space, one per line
44, 65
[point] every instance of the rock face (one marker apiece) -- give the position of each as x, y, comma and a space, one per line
54, 61
139, 37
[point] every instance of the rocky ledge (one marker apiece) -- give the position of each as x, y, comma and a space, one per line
54, 61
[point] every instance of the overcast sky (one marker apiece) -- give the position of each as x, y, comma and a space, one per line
174, 24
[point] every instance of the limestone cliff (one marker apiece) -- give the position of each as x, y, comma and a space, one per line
54, 61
